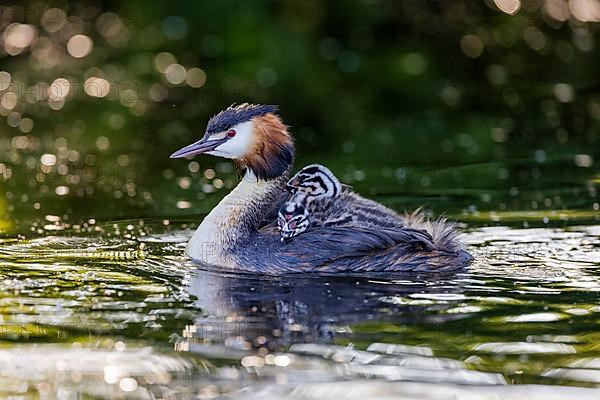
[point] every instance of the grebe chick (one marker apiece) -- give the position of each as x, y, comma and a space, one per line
312, 183
313, 203
316, 180
293, 217
233, 235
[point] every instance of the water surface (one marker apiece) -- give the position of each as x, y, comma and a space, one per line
120, 311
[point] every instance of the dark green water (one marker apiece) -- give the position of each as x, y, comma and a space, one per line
113, 308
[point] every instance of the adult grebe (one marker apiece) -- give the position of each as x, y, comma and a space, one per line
231, 236
317, 199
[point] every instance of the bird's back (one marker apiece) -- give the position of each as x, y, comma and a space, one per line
355, 248
350, 209
343, 249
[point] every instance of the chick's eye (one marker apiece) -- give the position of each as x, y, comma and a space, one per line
231, 133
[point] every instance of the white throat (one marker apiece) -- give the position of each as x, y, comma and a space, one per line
225, 225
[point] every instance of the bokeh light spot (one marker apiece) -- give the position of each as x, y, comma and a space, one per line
59, 89
128, 384
53, 19
564, 92
195, 78
102, 143
158, 92
584, 160
163, 60
80, 46
5, 80
26, 125
585, 10
9, 100
17, 37
175, 74
62, 190
48, 159
557, 9
471, 45
96, 87
508, 6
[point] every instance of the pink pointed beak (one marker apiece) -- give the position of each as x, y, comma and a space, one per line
203, 145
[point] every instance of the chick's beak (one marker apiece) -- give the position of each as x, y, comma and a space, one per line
285, 239
203, 145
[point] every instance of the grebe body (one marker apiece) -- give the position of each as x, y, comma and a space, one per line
233, 234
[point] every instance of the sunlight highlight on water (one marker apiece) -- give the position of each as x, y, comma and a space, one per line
134, 316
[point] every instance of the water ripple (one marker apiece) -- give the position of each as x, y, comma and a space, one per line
525, 312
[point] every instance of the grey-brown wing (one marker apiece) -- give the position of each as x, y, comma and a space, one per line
317, 247
413, 236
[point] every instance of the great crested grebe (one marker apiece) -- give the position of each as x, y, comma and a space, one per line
233, 234
316, 199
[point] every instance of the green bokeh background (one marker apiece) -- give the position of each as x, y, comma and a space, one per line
456, 106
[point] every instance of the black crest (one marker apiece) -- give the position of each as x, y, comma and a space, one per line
236, 114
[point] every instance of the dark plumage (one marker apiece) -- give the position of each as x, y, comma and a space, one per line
352, 210
345, 249
236, 114
234, 234
316, 200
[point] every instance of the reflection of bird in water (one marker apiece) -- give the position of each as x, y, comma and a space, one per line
229, 236
297, 309
317, 200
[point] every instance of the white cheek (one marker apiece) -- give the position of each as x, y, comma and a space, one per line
237, 146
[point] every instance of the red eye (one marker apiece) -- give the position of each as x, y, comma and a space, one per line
231, 133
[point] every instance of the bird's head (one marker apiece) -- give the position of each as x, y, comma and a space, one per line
293, 217
252, 135
317, 181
